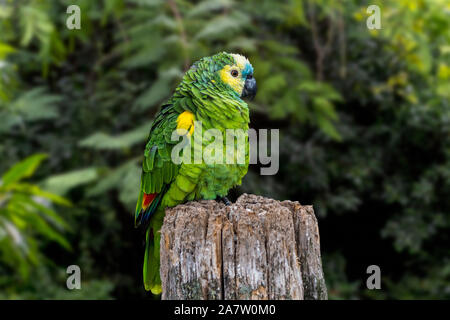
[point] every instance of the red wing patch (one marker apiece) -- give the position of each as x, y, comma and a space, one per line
148, 199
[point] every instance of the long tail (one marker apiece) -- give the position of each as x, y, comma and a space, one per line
152, 280
149, 216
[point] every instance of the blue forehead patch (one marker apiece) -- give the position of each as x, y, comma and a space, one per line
248, 70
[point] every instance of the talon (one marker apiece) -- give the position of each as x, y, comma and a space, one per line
226, 201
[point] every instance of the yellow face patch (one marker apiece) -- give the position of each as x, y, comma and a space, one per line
185, 122
235, 82
229, 76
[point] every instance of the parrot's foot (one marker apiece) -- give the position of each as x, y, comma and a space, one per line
225, 200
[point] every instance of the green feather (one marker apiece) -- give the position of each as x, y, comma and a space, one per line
151, 158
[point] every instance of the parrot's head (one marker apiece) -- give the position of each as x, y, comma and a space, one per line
228, 72
238, 74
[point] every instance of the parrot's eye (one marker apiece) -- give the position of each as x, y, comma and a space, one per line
234, 73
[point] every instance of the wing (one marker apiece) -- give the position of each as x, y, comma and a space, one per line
158, 171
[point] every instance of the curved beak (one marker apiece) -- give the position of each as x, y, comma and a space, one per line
250, 88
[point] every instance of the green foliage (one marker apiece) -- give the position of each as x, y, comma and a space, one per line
31, 106
62, 183
102, 141
363, 117
26, 213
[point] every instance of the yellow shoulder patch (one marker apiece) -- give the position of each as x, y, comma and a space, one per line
185, 121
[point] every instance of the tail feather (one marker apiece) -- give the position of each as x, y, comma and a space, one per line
152, 281
149, 216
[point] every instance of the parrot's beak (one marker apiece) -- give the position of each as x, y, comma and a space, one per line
250, 88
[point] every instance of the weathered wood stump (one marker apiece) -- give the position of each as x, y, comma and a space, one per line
256, 248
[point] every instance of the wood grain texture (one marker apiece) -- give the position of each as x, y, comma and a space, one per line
256, 248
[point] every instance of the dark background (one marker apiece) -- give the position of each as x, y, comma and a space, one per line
364, 119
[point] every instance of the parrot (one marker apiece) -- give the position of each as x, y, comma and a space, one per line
211, 92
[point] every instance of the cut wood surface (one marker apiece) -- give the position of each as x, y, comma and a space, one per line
256, 248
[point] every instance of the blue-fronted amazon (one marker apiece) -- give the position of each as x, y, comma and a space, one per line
211, 92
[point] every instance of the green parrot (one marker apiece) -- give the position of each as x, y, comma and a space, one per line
210, 94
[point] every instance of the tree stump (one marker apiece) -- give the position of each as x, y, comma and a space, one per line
256, 248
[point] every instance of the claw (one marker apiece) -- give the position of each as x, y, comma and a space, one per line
224, 200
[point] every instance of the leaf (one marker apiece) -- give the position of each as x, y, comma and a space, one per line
62, 183
206, 7
325, 108
150, 3
103, 141
34, 190
49, 214
159, 90
295, 13
223, 26
36, 104
112, 179
5, 11
5, 49
244, 44
39, 224
146, 55
8, 120
23, 169
328, 128
129, 187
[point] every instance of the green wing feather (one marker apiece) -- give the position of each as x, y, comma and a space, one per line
158, 171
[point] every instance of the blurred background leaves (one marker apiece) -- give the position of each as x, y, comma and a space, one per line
364, 119
27, 219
